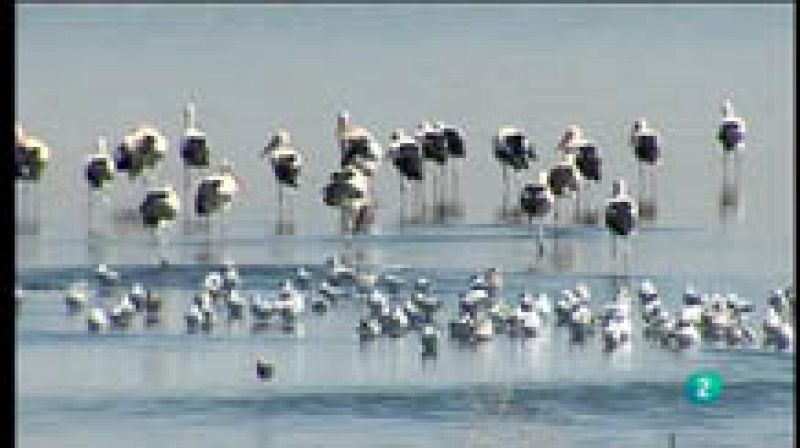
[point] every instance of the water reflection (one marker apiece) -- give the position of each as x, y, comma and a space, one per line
730, 200
565, 251
731, 203
27, 208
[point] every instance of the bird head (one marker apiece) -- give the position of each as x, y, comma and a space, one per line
102, 145
571, 133
189, 116
727, 108
342, 120
618, 187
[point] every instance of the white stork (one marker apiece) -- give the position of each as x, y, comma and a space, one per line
406, 156
536, 201
159, 209
31, 156
99, 173
731, 135
195, 152
621, 213
286, 164
513, 150
646, 144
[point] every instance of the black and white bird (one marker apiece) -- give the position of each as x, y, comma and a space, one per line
588, 161
99, 173
142, 148
348, 190
195, 151
621, 213
31, 156
286, 163
731, 135
457, 151
563, 179
216, 192
138, 155
646, 144
536, 201
732, 129
431, 139
357, 145
158, 210
515, 152
406, 156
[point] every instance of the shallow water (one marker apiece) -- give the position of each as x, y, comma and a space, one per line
159, 386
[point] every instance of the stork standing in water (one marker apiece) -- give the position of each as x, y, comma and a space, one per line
431, 139
588, 161
514, 151
348, 190
646, 144
731, 135
140, 152
564, 180
457, 151
406, 156
195, 153
536, 201
360, 152
358, 147
99, 173
31, 156
159, 209
286, 163
621, 215
215, 195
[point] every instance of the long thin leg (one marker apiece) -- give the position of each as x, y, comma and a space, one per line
402, 199
89, 213
280, 204
540, 237
504, 210
186, 186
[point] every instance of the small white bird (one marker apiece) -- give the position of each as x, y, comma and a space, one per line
76, 296
97, 320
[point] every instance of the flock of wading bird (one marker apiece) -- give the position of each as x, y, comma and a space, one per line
435, 145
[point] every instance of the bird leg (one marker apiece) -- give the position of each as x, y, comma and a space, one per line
504, 210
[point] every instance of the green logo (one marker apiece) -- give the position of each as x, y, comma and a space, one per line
703, 387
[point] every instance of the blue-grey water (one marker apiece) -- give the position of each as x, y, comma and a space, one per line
83, 71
